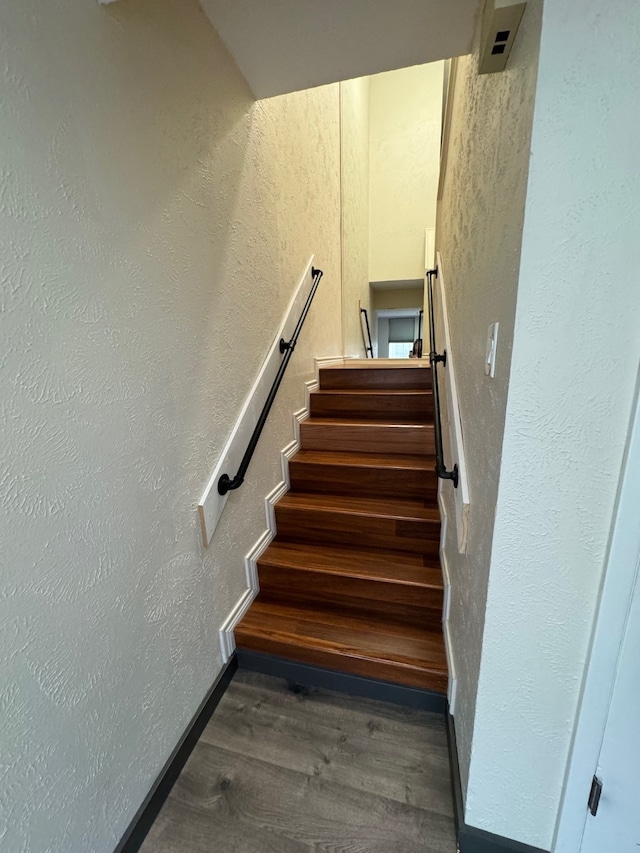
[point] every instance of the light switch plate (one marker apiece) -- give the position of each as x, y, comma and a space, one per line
492, 345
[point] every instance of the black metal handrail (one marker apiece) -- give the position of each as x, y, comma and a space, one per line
369, 348
225, 483
434, 358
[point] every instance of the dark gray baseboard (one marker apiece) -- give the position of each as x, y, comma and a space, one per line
329, 679
137, 830
470, 838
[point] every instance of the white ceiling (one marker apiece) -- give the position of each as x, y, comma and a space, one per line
287, 45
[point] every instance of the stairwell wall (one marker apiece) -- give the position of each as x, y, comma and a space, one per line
405, 119
574, 365
155, 219
479, 235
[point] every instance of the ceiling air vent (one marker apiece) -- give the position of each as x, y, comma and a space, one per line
500, 24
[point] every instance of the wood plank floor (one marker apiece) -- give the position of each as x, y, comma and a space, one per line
281, 771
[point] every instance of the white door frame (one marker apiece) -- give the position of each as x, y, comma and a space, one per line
611, 619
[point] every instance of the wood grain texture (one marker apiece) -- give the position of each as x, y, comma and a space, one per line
346, 579
367, 436
370, 564
371, 403
367, 522
393, 475
358, 535
277, 771
390, 651
361, 376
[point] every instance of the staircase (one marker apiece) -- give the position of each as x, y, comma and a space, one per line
352, 581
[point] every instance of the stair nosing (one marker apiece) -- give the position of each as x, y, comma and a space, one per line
285, 502
341, 421
301, 641
353, 574
354, 459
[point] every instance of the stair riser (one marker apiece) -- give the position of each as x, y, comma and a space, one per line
367, 438
416, 605
385, 671
418, 407
356, 480
327, 527
400, 378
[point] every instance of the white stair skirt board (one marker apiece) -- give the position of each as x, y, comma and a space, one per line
212, 503
452, 683
227, 639
451, 422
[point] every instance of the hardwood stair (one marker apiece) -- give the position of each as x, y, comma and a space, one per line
352, 581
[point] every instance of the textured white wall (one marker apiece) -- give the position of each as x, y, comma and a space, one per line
405, 118
479, 235
288, 45
575, 358
354, 116
154, 220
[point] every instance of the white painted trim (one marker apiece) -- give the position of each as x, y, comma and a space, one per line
617, 590
211, 503
454, 422
227, 639
452, 685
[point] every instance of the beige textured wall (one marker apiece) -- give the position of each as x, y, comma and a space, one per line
574, 367
354, 116
405, 124
154, 221
401, 297
479, 233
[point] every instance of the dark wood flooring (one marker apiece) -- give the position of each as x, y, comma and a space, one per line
280, 771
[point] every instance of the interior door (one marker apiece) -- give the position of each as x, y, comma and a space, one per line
616, 825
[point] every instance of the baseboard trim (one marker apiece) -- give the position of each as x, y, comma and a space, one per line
329, 679
452, 685
227, 629
137, 830
470, 838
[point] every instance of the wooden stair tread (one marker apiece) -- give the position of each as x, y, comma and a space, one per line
394, 567
379, 364
396, 423
376, 374
405, 646
365, 460
394, 508
352, 581
374, 392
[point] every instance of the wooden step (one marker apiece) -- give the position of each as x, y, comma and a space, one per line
375, 374
392, 651
392, 584
369, 474
391, 523
367, 436
374, 404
